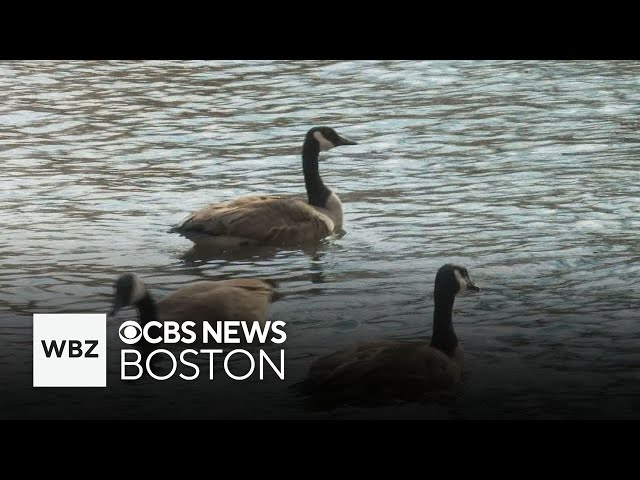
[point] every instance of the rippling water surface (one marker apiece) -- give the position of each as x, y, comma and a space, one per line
524, 172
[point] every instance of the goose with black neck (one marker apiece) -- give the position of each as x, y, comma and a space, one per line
383, 371
274, 220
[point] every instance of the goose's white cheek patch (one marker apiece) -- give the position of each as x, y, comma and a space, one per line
324, 143
461, 281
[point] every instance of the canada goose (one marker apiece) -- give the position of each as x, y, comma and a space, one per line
387, 370
274, 220
206, 300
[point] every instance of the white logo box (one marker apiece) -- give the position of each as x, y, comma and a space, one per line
65, 370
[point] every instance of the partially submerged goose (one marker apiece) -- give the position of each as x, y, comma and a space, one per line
388, 370
274, 220
238, 299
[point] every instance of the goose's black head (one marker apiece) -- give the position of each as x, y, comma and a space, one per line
129, 290
326, 138
452, 279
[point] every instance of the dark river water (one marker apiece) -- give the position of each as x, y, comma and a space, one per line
524, 172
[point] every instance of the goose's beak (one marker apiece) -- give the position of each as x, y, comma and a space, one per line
472, 286
345, 141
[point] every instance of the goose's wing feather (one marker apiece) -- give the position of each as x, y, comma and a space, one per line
262, 218
382, 370
237, 299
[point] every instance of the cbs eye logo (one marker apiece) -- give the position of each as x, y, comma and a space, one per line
130, 332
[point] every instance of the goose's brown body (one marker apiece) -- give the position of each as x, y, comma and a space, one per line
237, 299
260, 220
384, 370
